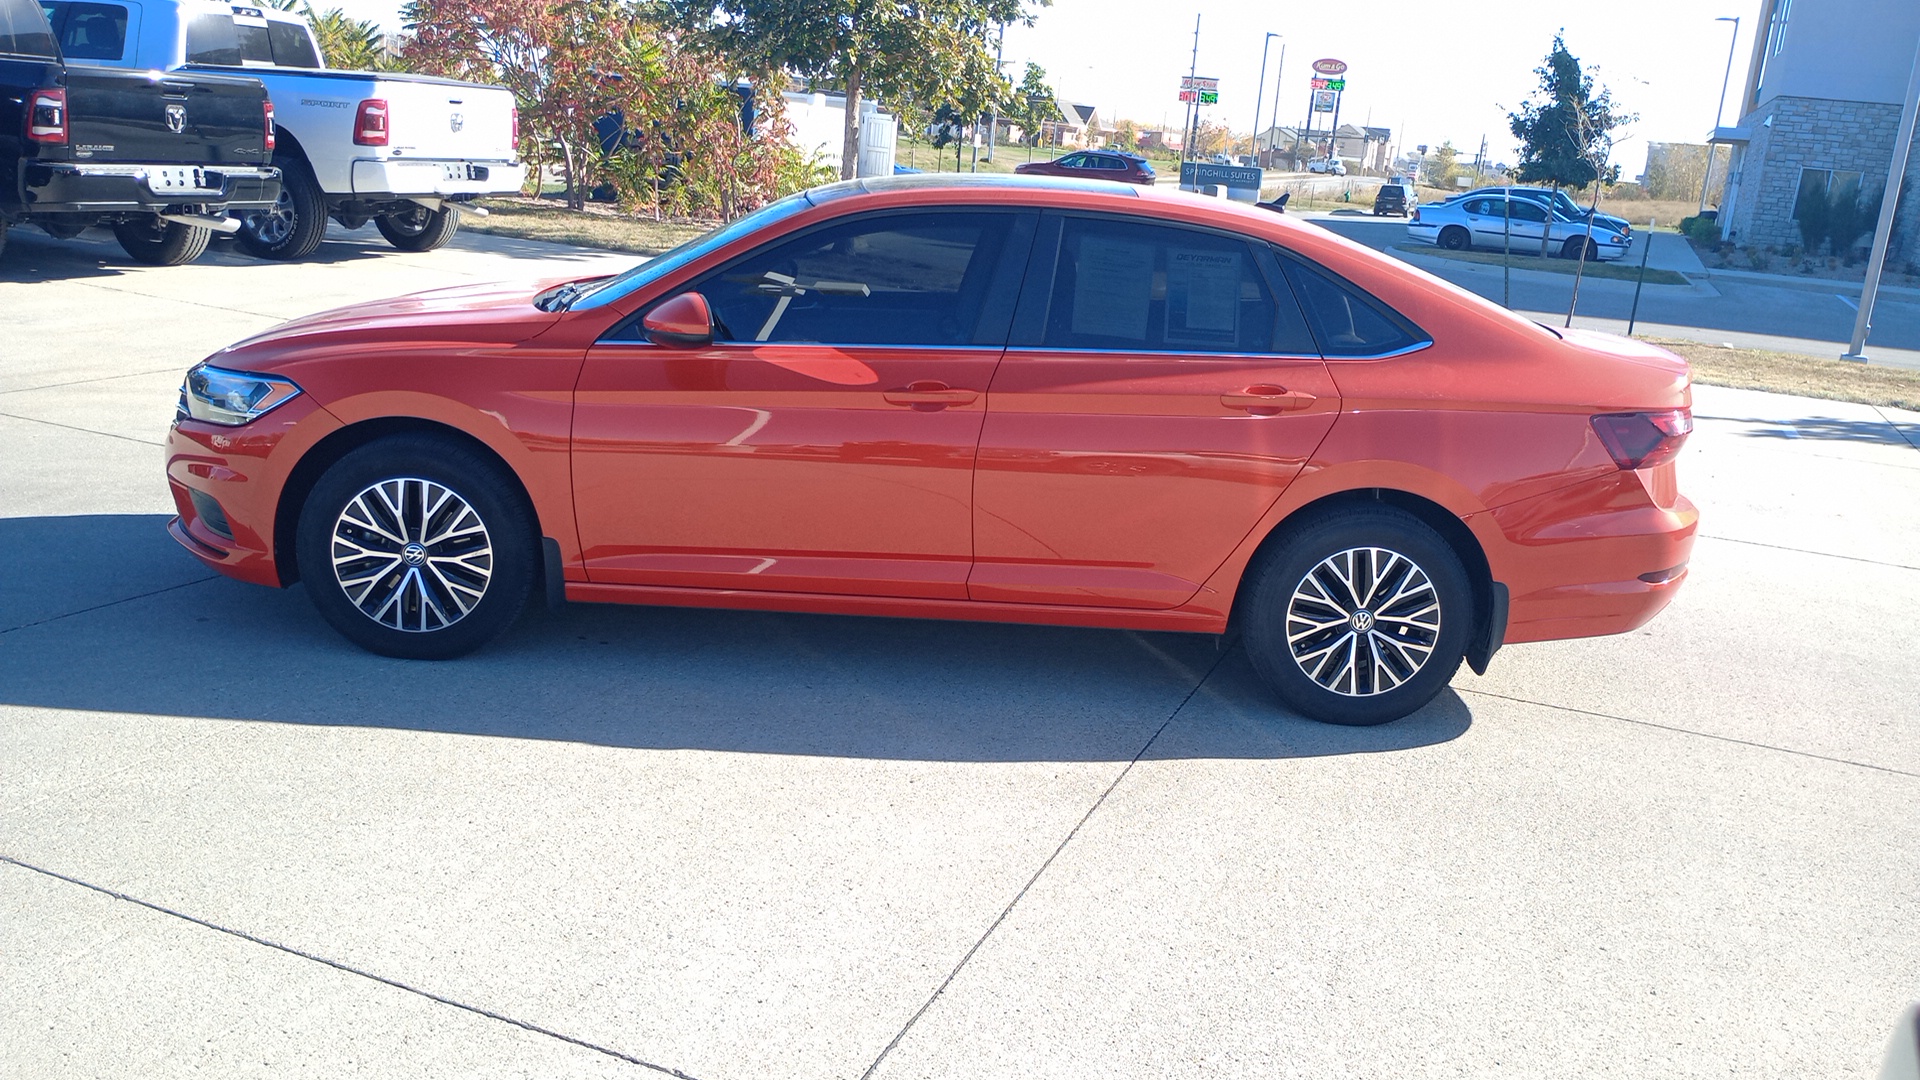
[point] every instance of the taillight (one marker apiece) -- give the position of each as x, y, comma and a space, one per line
47, 116
370, 123
267, 106
516, 128
1642, 440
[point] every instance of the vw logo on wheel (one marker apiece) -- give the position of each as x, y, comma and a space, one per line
1362, 621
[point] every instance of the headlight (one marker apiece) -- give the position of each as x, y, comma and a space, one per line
219, 396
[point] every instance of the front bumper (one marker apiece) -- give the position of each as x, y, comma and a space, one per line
226, 484
119, 188
403, 178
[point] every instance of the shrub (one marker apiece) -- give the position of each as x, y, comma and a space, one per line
1701, 229
1811, 211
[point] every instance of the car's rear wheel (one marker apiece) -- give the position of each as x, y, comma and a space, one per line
418, 228
1358, 617
1454, 238
162, 243
297, 223
417, 547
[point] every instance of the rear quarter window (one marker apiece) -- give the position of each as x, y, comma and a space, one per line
1346, 320
292, 46
24, 30
225, 40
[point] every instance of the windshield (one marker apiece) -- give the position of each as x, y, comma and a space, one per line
600, 293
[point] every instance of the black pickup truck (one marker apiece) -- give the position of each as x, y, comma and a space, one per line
159, 157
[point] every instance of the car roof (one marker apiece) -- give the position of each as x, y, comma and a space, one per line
881, 185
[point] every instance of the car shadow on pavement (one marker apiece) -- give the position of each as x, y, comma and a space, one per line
1823, 428
171, 641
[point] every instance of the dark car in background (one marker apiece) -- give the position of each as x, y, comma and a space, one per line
1397, 199
1094, 165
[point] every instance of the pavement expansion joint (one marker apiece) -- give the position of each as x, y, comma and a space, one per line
1031, 881
347, 968
81, 430
90, 382
1899, 429
177, 300
1689, 731
111, 603
1805, 551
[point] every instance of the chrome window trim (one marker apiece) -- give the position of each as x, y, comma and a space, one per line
1156, 354
1404, 351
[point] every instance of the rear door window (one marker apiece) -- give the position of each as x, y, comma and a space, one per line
1121, 284
1347, 321
24, 30
90, 31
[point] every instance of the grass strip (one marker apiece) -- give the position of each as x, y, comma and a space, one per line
1626, 270
595, 227
1806, 376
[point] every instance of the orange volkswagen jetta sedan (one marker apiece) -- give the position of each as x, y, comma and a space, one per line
1026, 400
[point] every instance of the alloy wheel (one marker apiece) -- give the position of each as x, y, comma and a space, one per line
412, 555
273, 226
1363, 621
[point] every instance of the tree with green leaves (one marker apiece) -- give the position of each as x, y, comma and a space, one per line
1566, 129
348, 43
1441, 168
934, 52
1032, 104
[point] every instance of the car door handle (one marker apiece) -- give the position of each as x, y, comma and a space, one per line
1268, 400
930, 393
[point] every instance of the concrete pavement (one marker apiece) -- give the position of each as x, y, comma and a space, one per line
635, 841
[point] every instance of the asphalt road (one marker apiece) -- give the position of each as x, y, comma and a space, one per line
628, 841
1806, 315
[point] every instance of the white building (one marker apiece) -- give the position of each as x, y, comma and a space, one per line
1819, 113
818, 130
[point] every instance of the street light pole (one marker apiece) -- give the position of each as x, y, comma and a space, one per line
1706, 180
1259, 97
1883, 230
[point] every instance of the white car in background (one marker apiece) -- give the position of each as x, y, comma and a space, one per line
1329, 165
1485, 221
405, 152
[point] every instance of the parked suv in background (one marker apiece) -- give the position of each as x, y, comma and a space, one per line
159, 159
1395, 199
1332, 166
1094, 165
400, 151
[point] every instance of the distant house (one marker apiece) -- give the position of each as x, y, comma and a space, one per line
1366, 147
1162, 139
1818, 115
1079, 125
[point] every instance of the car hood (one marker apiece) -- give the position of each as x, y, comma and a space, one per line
498, 313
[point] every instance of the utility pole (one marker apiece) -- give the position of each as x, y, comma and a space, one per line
1883, 231
1273, 121
999, 62
1193, 107
1259, 97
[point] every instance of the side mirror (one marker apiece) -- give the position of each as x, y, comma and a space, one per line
684, 322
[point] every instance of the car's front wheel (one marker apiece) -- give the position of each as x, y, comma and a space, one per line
1358, 617
417, 547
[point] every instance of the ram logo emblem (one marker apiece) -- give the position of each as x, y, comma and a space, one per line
176, 118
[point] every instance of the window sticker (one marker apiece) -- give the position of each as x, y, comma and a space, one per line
1203, 295
1112, 288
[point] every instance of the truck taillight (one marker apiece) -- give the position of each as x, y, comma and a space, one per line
268, 107
370, 123
516, 128
1642, 440
47, 116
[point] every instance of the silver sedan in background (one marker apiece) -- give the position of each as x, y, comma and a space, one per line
1485, 221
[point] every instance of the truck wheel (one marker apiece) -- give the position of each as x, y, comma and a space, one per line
295, 226
162, 243
418, 228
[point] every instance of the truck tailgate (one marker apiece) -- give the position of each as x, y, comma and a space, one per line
434, 118
117, 115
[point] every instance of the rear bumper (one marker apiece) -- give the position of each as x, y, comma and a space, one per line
402, 178
87, 188
1602, 557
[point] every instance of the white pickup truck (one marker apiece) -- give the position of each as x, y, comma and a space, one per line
406, 152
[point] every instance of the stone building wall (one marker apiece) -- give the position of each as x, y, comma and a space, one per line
1812, 133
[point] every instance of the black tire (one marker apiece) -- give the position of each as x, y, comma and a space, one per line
294, 228
418, 229
418, 588
162, 243
1455, 238
1325, 675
